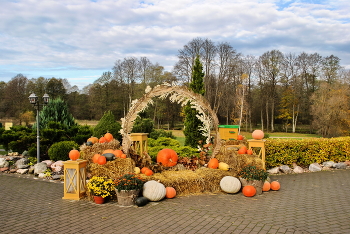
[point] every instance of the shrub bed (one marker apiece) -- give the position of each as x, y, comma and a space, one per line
306, 151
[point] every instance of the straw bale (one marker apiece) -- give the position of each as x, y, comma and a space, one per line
112, 169
87, 152
212, 178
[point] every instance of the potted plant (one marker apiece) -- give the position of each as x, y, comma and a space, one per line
251, 175
100, 188
128, 187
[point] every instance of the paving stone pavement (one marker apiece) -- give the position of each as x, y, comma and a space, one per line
316, 202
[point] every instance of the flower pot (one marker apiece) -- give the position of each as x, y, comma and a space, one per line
99, 199
127, 197
258, 184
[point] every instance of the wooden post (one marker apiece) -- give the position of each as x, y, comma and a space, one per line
74, 179
258, 144
139, 142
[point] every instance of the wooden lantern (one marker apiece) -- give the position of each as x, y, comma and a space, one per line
74, 179
258, 145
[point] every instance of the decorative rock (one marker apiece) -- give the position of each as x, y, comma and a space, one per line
56, 177
298, 169
48, 162
340, 165
347, 163
22, 171
328, 164
22, 163
57, 166
4, 169
31, 170
14, 170
315, 167
41, 175
274, 170
4, 163
39, 168
285, 169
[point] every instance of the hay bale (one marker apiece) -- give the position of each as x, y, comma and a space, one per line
87, 152
212, 178
112, 169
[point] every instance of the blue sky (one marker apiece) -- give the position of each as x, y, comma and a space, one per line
80, 39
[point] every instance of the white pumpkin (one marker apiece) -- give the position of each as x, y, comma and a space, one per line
230, 184
224, 166
154, 190
137, 170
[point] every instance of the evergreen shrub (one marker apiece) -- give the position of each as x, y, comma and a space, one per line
60, 150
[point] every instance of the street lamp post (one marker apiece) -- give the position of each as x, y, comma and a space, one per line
34, 100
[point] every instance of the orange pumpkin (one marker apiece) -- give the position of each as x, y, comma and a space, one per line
123, 156
266, 186
93, 140
144, 169
167, 157
249, 151
95, 158
148, 172
242, 150
239, 137
108, 151
258, 134
108, 136
213, 163
102, 140
275, 185
102, 160
74, 154
170, 192
118, 153
249, 191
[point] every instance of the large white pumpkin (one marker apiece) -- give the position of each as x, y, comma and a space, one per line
230, 184
154, 190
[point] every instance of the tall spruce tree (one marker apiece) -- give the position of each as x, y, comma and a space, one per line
192, 124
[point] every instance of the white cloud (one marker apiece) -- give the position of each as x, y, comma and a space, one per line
40, 36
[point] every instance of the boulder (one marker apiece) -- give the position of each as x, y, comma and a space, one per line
274, 170
285, 169
328, 164
42, 175
22, 163
4, 163
22, 171
2, 169
347, 163
315, 167
56, 177
48, 162
340, 165
57, 166
31, 170
39, 168
298, 169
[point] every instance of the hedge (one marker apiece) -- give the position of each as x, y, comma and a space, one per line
306, 151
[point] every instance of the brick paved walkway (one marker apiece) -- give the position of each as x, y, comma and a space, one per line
316, 202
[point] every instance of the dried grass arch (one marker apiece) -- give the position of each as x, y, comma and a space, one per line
177, 94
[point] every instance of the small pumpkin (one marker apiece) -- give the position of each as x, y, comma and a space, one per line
275, 185
170, 192
266, 186
239, 137
93, 140
242, 150
102, 140
249, 191
117, 153
141, 201
148, 172
137, 170
102, 160
258, 134
74, 154
108, 151
230, 184
144, 169
95, 158
250, 152
108, 136
154, 190
167, 157
213, 163
123, 156
224, 166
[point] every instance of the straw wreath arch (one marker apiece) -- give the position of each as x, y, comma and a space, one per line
179, 95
